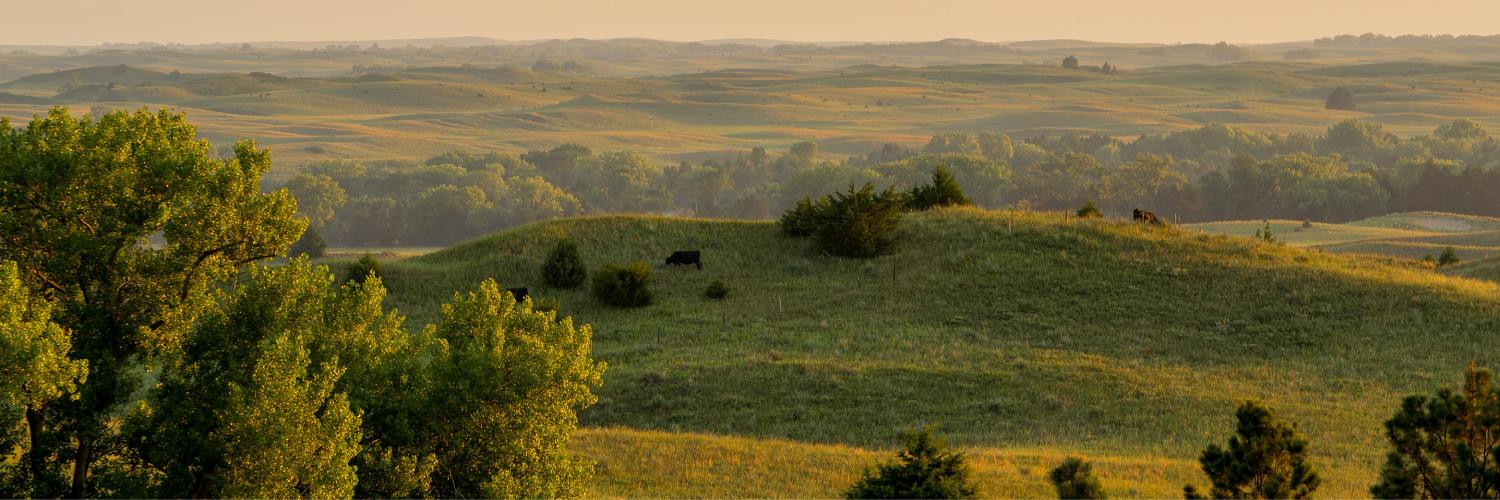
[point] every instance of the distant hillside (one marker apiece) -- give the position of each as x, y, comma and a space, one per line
1410, 235
1019, 333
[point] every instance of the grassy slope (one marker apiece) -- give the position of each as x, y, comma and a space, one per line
1013, 331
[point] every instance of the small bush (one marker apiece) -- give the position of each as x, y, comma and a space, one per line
360, 270
717, 290
310, 244
1307, 224
925, 469
1089, 210
623, 286
564, 268
1447, 258
1075, 479
1264, 234
943, 192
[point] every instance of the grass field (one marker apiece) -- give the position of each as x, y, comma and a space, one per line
1019, 334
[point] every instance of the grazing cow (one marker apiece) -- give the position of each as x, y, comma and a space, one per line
1143, 216
519, 293
685, 257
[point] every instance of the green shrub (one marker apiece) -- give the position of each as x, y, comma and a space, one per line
1075, 479
925, 469
310, 244
943, 192
1447, 258
1089, 210
717, 290
1264, 233
804, 219
564, 268
857, 223
623, 286
362, 269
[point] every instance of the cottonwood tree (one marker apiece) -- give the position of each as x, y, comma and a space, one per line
121, 224
34, 369
256, 403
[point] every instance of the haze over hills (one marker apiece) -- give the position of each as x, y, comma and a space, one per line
693, 100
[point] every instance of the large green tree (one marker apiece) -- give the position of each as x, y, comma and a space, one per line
122, 224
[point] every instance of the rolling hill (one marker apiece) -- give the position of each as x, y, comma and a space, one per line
418, 111
1025, 336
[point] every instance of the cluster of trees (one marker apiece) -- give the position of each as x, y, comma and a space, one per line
145, 353
1352, 170
1442, 446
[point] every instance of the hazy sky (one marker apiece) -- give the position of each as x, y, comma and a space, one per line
196, 21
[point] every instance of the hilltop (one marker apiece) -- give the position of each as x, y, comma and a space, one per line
1021, 334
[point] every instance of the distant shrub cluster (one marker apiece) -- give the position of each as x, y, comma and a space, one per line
623, 286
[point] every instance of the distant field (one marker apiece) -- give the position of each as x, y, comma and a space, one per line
1412, 235
418, 112
1025, 336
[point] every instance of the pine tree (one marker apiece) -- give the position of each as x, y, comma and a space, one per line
1074, 479
1266, 458
1445, 446
925, 469
943, 192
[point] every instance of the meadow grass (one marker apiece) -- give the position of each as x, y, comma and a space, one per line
1010, 330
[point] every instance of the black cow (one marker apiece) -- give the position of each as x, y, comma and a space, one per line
1143, 216
519, 293
685, 257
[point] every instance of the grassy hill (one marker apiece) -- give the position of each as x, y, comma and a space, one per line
1025, 336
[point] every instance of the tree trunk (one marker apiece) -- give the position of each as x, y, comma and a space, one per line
35, 419
81, 467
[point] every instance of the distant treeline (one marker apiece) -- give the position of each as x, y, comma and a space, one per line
1370, 40
1353, 170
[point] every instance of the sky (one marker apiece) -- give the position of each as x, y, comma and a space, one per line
90, 22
